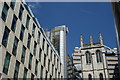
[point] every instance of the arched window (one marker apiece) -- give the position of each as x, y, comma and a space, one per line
99, 56
88, 57
101, 76
89, 77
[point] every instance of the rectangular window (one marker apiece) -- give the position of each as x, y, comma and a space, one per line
29, 40
36, 67
4, 11
55, 73
44, 60
51, 55
12, 4
38, 40
48, 65
34, 50
6, 63
41, 73
52, 69
25, 74
16, 70
30, 61
21, 12
14, 21
23, 54
43, 44
47, 49
32, 76
54, 59
14, 51
40, 52
22, 32
33, 30
27, 21
5, 36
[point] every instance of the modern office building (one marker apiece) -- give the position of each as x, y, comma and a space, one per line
76, 56
70, 68
93, 62
26, 52
112, 64
116, 12
58, 36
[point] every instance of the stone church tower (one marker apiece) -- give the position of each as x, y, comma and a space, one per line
93, 62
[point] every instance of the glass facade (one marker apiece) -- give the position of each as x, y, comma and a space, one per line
23, 54
34, 50
16, 70
21, 12
27, 21
22, 33
14, 21
29, 40
30, 61
33, 30
5, 36
6, 62
14, 51
12, 4
4, 11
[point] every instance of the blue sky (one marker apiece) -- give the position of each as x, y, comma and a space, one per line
87, 18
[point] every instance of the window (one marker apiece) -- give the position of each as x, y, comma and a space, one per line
23, 54
46, 75
51, 55
34, 50
25, 74
76, 59
55, 73
36, 67
22, 33
32, 76
54, 59
27, 21
48, 65
89, 77
30, 61
5, 36
41, 73
40, 52
14, 21
4, 11
33, 30
38, 40
101, 76
99, 56
52, 69
88, 57
6, 63
14, 51
43, 43
12, 4
47, 49
44, 60
29, 40
21, 12
16, 70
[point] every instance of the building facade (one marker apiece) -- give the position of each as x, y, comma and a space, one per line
93, 62
26, 52
112, 64
76, 56
116, 13
58, 36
